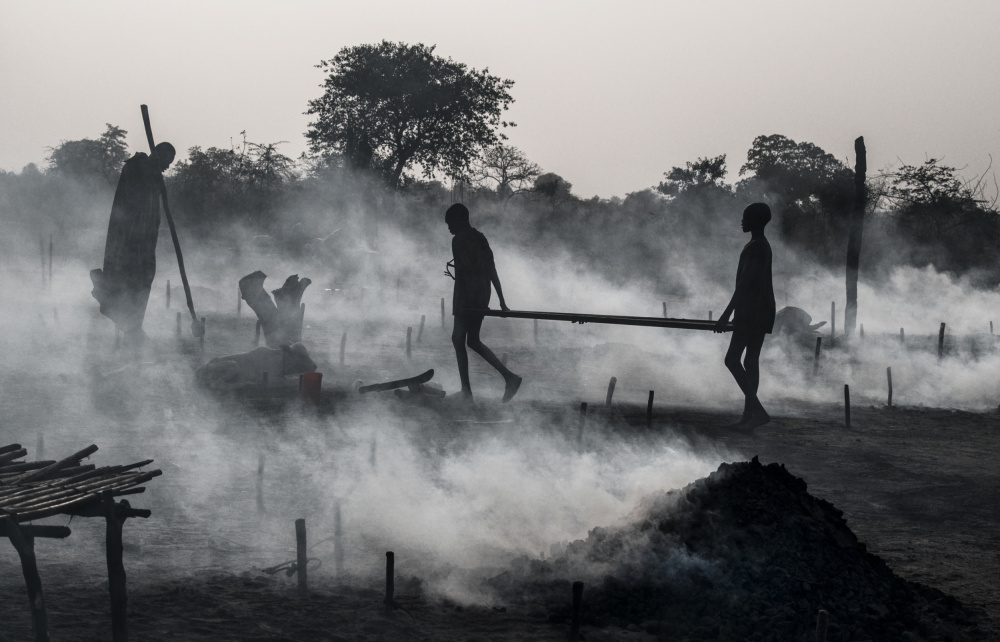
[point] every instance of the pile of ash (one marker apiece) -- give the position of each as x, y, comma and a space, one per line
744, 554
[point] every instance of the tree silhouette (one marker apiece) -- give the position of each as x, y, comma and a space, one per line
392, 106
91, 160
506, 167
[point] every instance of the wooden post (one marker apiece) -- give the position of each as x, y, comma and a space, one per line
343, 344
664, 309
50, 260
991, 327
583, 421
168, 294
256, 333
833, 319
902, 337
574, 625
239, 303
409, 332
116, 569
709, 315
847, 406
888, 375
301, 560
40, 447
24, 544
649, 411
420, 331
201, 336
442, 313
941, 342
611, 392
260, 481
338, 546
821, 624
177, 330
819, 347
855, 234
41, 252
390, 576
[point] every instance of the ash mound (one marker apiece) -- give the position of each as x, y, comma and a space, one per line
744, 554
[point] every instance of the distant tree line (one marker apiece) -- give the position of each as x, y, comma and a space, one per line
403, 131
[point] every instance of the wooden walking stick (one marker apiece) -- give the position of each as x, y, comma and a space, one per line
197, 327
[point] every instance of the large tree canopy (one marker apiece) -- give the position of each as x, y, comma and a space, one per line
392, 106
92, 160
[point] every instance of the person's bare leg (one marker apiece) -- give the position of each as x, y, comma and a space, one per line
751, 365
458, 335
511, 381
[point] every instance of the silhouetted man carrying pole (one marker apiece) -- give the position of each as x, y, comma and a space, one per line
475, 271
753, 308
122, 286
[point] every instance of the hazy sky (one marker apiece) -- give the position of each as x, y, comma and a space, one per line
608, 94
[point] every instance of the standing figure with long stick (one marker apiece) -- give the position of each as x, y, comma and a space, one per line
475, 272
122, 285
753, 305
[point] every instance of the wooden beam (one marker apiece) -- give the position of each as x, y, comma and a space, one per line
653, 322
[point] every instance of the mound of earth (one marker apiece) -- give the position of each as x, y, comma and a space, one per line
744, 554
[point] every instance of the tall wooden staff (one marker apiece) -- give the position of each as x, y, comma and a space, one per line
197, 327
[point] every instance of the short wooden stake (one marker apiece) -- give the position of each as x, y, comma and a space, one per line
24, 544
902, 337
888, 375
256, 333
41, 251
50, 260
116, 570
583, 422
991, 327
442, 313
201, 337
260, 481
168, 294
822, 621
709, 315
611, 392
239, 304
409, 333
574, 624
301, 559
177, 330
649, 410
420, 330
338, 545
664, 309
819, 347
40, 447
941, 342
343, 344
390, 577
833, 319
847, 406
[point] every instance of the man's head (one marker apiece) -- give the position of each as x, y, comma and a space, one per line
756, 216
165, 152
457, 218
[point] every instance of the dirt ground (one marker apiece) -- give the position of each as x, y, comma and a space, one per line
919, 486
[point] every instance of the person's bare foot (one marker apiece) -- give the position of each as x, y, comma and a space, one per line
513, 383
747, 416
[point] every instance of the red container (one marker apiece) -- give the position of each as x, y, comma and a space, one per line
310, 384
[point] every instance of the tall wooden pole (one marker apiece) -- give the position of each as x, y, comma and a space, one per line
855, 233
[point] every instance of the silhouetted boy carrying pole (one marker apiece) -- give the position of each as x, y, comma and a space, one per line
753, 305
475, 271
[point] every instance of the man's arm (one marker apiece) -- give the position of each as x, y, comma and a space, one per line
495, 279
744, 282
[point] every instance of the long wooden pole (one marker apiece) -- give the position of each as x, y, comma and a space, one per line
654, 322
197, 328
